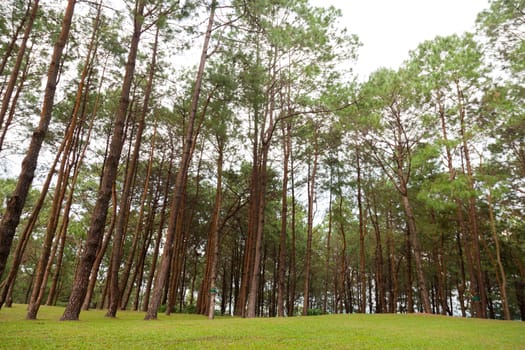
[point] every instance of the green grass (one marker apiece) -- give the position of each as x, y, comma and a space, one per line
130, 331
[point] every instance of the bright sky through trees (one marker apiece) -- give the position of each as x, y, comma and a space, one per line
389, 29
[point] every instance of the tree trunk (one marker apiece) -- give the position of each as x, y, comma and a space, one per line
293, 274
362, 306
13, 108
140, 225
15, 204
479, 297
117, 290
258, 232
414, 241
328, 247
100, 255
394, 288
15, 70
68, 163
98, 218
340, 280
14, 39
284, 223
380, 285
158, 239
310, 220
208, 290
459, 213
502, 279
162, 274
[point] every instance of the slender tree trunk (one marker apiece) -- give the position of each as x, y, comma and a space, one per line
140, 225
258, 230
100, 255
181, 233
43, 266
14, 38
341, 277
284, 222
328, 246
117, 290
502, 275
310, 220
380, 285
150, 224
13, 108
15, 71
479, 298
77, 163
459, 213
394, 290
158, 239
15, 204
442, 273
214, 233
162, 274
362, 306
410, 283
69, 161
293, 274
208, 289
98, 218
24, 237
414, 242
54, 282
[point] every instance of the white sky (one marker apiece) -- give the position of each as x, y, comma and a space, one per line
389, 29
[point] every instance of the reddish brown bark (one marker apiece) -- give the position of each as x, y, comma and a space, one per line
176, 205
98, 218
15, 70
15, 204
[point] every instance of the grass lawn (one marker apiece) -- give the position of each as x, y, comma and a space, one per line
180, 331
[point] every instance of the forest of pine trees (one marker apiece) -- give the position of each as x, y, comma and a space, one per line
219, 156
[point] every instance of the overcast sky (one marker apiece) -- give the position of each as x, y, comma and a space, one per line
389, 29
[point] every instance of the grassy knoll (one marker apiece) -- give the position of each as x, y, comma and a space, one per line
129, 331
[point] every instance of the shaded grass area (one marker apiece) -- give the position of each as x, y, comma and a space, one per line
181, 331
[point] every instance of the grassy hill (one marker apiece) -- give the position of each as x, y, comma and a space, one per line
181, 331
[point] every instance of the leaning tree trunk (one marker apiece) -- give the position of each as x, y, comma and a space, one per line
15, 70
8, 49
13, 108
66, 167
98, 218
117, 290
140, 225
158, 237
8, 283
15, 204
162, 274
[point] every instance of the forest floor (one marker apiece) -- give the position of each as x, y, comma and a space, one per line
183, 331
